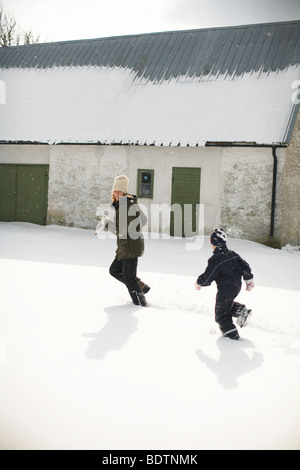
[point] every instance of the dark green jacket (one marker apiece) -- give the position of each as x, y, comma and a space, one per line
129, 221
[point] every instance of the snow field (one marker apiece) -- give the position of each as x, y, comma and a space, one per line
83, 368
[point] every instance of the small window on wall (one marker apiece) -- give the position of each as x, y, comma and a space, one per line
145, 183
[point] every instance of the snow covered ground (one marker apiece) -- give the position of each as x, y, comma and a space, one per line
83, 368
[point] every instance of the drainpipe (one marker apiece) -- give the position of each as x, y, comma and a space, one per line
273, 191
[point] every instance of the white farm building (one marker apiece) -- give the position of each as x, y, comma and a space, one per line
208, 116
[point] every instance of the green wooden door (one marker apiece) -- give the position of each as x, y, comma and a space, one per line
184, 200
24, 193
8, 188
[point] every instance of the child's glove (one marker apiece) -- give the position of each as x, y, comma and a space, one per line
197, 286
249, 285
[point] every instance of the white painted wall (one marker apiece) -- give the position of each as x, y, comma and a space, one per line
162, 160
235, 188
81, 178
25, 154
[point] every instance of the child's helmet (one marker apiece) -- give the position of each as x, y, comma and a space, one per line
218, 237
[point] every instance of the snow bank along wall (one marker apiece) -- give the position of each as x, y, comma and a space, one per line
235, 186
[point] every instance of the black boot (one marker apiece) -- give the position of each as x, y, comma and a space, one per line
145, 288
138, 298
243, 317
237, 309
232, 334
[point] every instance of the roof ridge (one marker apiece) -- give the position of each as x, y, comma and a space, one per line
210, 28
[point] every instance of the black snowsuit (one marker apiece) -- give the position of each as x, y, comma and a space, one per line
227, 269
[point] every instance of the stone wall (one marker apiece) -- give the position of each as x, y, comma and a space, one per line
80, 180
291, 191
235, 187
247, 193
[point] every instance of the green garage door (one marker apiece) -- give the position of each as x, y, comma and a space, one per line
186, 194
24, 193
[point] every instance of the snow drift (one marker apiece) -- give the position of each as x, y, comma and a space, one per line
83, 368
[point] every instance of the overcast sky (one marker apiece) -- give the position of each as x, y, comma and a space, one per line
59, 20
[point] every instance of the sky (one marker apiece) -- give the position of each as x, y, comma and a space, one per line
61, 20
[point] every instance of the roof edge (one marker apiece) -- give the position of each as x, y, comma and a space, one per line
245, 144
137, 144
194, 30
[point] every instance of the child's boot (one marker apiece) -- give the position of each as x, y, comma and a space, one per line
243, 317
232, 334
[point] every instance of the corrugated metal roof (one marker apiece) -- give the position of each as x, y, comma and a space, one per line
195, 53
231, 84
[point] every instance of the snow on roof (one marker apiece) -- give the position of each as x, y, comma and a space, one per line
233, 84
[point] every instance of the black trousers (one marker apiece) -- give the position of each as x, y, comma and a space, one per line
124, 270
226, 308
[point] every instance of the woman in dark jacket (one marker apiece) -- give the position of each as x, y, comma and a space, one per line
130, 242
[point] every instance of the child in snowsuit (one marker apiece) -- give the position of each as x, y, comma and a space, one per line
227, 268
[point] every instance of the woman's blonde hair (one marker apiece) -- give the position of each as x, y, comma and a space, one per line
113, 198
